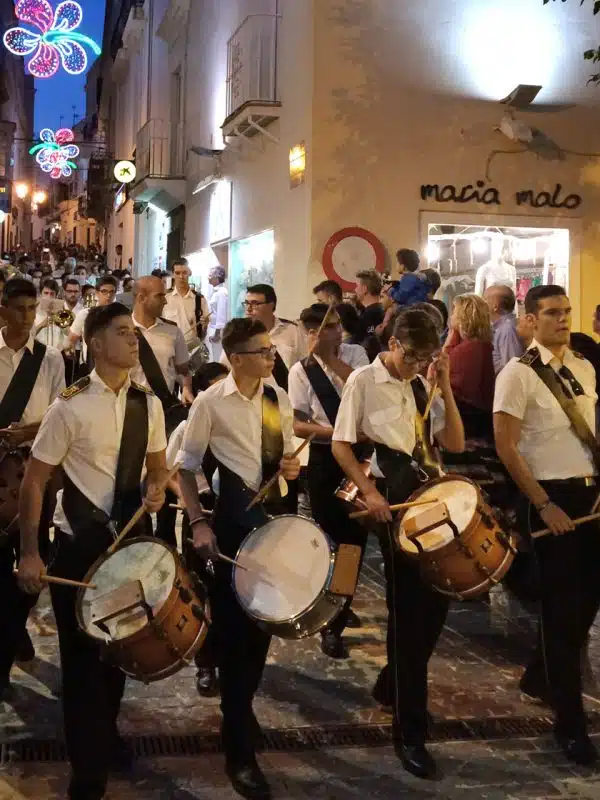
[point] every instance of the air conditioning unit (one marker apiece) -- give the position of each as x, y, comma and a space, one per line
139, 208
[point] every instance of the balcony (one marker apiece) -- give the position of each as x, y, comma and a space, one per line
159, 161
252, 96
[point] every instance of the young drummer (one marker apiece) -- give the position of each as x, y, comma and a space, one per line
315, 385
381, 402
248, 427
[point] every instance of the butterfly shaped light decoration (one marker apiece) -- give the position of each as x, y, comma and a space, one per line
54, 153
57, 43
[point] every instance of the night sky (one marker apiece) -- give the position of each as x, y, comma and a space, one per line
55, 97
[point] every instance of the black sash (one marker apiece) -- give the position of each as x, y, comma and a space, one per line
323, 388
280, 372
272, 439
19, 389
175, 412
79, 509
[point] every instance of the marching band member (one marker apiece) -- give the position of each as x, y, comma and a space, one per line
315, 386
31, 377
380, 402
247, 425
544, 418
185, 307
101, 430
46, 329
105, 292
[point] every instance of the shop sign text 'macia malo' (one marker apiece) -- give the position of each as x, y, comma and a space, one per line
490, 196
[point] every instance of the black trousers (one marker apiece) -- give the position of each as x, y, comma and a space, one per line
568, 571
416, 616
92, 688
241, 649
166, 520
205, 657
324, 475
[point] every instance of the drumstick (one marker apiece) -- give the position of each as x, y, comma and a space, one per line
62, 581
579, 521
430, 400
204, 511
396, 507
332, 305
195, 325
139, 514
262, 492
221, 557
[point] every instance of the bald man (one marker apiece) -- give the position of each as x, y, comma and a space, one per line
507, 344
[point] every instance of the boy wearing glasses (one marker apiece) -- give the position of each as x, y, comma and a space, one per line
381, 402
248, 426
315, 388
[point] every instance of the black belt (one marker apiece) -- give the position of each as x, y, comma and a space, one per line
575, 482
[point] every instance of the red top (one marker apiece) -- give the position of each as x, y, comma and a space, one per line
472, 372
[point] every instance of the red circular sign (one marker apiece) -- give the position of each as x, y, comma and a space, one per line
340, 236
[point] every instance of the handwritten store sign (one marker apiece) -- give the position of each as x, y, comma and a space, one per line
490, 196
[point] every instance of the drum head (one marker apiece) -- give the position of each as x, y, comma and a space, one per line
460, 497
145, 560
289, 561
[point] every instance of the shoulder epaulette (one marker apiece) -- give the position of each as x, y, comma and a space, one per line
141, 388
288, 321
168, 321
578, 355
529, 356
76, 388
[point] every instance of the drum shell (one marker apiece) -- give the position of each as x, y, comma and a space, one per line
164, 645
12, 470
467, 567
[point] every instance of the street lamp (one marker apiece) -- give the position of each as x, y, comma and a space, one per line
21, 190
39, 196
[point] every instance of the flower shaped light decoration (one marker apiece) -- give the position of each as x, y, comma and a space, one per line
55, 151
57, 43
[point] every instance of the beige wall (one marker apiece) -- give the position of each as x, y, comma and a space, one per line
376, 141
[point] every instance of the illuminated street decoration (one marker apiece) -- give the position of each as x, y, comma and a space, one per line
54, 153
58, 43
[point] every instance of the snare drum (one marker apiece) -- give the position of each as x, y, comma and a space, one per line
144, 609
461, 549
294, 583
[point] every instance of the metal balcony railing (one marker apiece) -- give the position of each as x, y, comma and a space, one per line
159, 151
252, 62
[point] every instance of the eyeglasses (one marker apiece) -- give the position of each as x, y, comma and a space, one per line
254, 303
410, 357
106, 291
265, 352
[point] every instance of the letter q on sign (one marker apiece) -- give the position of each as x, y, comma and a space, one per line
349, 251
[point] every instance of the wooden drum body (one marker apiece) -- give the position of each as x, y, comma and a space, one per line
144, 609
461, 549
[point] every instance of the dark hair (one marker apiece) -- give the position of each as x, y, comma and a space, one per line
416, 329
107, 280
433, 312
206, 374
18, 287
49, 283
313, 316
351, 321
67, 281
371, 279
179, 262
100, 317
239, 331
267, 291
158, 273
442, 308
433, 279
408, 258
598, 310
330, 287
537, 293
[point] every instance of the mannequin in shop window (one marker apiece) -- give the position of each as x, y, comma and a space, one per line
496, 270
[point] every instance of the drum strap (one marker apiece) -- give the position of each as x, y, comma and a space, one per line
153, 372
79, 509
424, 454
324, 389
19, 389
280, 372
272, 440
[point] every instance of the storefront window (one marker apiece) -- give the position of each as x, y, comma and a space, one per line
251, 261
470, 258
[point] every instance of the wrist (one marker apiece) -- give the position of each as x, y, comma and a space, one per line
542, 505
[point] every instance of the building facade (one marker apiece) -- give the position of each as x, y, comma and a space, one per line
290, 141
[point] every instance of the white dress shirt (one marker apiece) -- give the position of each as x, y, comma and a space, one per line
219, 308
77, 328
231, 424
302, 395
181, 309
173, 448
548, 443
290, 343
49, 383
83, 434
169, 347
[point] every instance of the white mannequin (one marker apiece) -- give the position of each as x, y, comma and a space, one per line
496, 270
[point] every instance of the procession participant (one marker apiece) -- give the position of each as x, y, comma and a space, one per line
551, 453
31, 376
46, 330
105, 292
72, 295
381, 401
218, 303
101, 431
247, 424
185, 307
328, 292
315, 386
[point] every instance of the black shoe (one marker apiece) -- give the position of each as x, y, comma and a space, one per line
207, 683
122, 757
86, 790
578, 749
535, 690
248, 780
333, 645
7, 692
353, 620
26, 650
381, 691
416, 759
